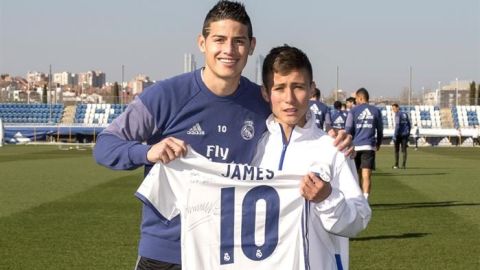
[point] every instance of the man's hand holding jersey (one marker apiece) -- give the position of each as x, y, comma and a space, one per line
343, 141
167, 150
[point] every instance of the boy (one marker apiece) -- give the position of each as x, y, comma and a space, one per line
336, 207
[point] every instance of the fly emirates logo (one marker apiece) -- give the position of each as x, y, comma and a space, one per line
216, 151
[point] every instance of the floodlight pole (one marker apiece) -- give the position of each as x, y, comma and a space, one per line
456, 93
410, 95
49, 100
338, 77
123, 89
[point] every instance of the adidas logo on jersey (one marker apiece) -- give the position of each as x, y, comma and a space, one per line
366, 114
196, 130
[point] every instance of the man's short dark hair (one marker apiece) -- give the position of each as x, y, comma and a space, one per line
395, 105
351, 99
316, 94
227, 10
283, 60
363, 92
337, 105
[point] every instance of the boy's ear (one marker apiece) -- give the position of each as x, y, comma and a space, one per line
265, 94
201, 43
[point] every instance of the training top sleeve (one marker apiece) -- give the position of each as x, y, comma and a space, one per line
379, 128
349, 127
345, 212
121, 145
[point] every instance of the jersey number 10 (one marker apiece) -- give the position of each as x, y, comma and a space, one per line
227, 223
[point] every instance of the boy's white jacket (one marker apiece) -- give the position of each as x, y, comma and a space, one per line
344, 213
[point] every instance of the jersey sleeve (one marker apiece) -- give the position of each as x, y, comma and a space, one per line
397, 125
345, 212
120, 146
349, 125
379, 128
409, 125
160, 193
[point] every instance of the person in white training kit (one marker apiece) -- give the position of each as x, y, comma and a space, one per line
1, 132
335, 207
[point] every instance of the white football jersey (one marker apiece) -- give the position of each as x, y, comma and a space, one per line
233, 216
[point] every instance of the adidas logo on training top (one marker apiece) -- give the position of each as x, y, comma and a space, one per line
196, 130
366, 114
339, 120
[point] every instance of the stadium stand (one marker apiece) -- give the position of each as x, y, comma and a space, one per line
421, 115
31, 113
98, 113
38, 122
80, 121
466, 116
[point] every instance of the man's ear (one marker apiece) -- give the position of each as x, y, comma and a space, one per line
312, 89
253, 43
265, 94
201, 43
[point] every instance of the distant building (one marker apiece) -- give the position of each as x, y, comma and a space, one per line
13, 94
92, 79
431, 98
100, 80
65, 78
69, 96
457, 92
139, 83
35, 77
189, 63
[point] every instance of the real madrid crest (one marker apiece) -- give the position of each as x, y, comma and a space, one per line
248, 131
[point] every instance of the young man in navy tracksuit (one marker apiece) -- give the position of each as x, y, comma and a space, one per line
364, 123
319, 109
336, 117
401, 135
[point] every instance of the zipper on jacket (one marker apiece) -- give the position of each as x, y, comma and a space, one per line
284, 148
306, 208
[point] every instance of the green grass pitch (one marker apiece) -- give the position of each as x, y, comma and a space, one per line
60, 210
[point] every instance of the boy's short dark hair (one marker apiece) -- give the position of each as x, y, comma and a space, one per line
227, 10
283, 60
395, 105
